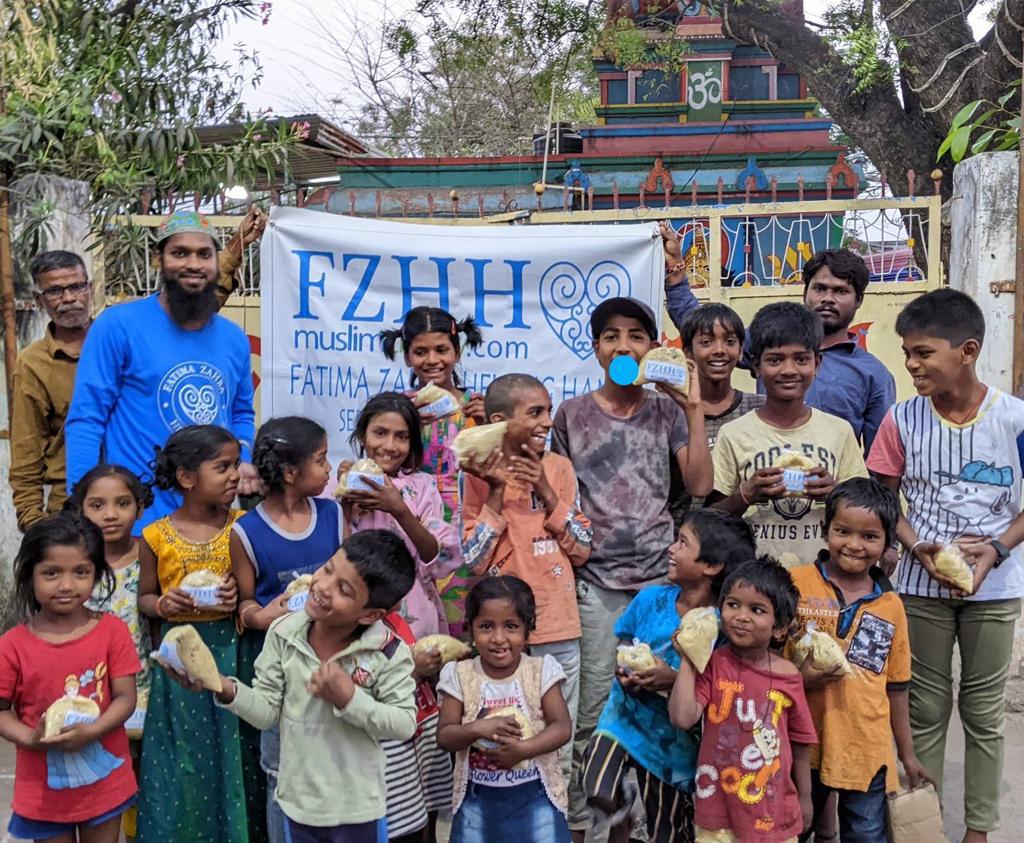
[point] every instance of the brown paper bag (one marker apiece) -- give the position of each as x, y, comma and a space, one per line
915, 816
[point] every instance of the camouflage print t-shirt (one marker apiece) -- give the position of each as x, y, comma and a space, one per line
622, 466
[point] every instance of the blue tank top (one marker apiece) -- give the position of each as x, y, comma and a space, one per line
279, 556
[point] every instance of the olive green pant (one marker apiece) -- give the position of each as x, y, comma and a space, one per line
983, 630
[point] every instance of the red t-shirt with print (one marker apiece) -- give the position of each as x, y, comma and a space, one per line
35, 673
744, 779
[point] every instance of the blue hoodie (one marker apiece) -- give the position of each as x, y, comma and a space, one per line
141, 377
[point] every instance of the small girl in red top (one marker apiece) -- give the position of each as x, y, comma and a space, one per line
75, 785
753, 780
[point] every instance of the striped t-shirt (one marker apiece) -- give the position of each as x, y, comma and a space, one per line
959, 480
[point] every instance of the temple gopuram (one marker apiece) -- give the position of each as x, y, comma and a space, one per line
727, 124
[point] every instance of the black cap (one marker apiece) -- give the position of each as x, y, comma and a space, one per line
622, 306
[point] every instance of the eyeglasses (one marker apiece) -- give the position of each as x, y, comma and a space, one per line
56, 294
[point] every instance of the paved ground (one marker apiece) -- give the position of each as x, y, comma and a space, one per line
1012, 803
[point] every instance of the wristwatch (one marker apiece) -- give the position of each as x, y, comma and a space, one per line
1002, 552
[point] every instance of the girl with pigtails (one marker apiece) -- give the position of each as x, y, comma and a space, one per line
432, 342
292, 532
192, 768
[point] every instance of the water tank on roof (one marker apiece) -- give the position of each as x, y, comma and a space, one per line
564, 140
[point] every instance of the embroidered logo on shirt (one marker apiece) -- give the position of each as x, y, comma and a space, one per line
192, 393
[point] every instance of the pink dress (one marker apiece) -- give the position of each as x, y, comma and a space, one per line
439, 462
422, 608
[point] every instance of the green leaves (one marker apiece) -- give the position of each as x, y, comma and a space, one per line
112, 97
996, 130
964, 114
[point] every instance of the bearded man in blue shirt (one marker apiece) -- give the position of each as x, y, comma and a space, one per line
155, 365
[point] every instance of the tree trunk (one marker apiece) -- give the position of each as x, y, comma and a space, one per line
7, 292
941, 69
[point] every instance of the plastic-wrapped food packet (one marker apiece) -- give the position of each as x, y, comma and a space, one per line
822, 649
665, 365
448, 648
436, 402
183, 651
354, 480
794, 471
696, 636
476, 444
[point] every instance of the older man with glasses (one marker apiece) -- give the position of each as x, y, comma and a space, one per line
43, 381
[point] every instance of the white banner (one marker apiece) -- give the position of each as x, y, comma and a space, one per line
331, 283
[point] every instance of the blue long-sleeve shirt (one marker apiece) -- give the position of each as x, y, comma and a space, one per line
851, 383
141, 377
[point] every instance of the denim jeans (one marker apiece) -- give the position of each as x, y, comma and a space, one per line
862, 814
519, 814
270, 756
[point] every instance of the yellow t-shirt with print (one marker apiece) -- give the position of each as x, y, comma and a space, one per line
790, 528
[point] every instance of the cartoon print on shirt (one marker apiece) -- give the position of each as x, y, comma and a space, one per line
92, 763
759, 759
980, 482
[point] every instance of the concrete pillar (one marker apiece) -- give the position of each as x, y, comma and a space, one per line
983, 250
982, 256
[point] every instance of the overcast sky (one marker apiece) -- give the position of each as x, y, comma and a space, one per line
300, 73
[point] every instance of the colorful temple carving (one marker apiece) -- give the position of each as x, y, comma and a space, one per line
727, 125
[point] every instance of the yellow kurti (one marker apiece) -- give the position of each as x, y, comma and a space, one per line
177, 557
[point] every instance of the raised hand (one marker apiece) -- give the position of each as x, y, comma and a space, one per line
332, 684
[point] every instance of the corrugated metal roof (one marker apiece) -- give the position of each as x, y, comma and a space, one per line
316, 157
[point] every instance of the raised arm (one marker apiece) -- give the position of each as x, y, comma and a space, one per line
570, 527
684, 710
483, 523
680, 301
243, 414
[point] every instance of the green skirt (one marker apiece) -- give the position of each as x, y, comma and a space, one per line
191, 785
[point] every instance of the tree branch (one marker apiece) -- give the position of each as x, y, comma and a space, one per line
1003, 47
868, 116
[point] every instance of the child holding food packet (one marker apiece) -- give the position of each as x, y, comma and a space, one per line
634, 730
275, 547
521, 516
954, 452
776, 465
337, 681
504, 716
432, 342
73, 775
112, 497
858, 696
712, 336
620, 439
401, 498
186, 578
753, 779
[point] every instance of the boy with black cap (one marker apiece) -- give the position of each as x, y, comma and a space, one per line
620, 439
